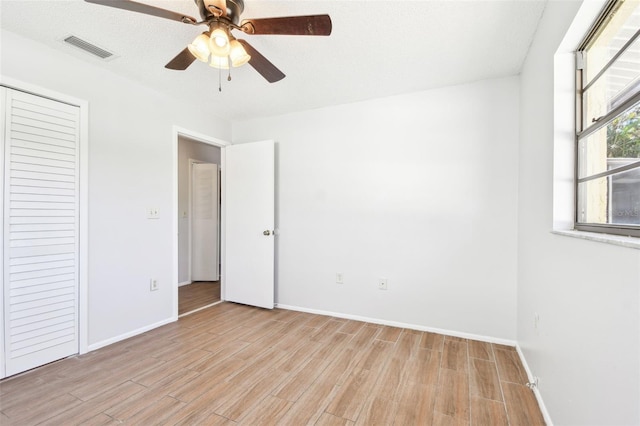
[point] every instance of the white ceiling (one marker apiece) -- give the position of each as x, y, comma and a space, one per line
377, 48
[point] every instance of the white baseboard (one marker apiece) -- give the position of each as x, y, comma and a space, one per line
184, 283
124, 336
536, 390
453, 333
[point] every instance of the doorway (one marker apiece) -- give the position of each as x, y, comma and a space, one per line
198, 224
248, 198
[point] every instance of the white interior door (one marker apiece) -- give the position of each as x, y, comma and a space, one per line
249, 223
204, 222
40, 230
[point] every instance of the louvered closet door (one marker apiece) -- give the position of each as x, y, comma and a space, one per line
40, 231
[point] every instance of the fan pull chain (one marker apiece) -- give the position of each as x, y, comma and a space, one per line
229, 62
219, 80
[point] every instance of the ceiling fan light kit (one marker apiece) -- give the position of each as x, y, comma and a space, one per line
200, 47
218, 46
219, 62
237, 54
219, 40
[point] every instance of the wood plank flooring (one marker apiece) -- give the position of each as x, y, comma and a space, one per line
233, 364
196, 295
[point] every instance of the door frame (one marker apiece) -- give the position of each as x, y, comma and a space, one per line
83, 254
190, 232
209, 140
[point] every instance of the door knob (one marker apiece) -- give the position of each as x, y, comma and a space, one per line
267, 232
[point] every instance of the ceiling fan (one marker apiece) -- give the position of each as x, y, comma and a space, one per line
217, 45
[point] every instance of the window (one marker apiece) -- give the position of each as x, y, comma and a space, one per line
608, 123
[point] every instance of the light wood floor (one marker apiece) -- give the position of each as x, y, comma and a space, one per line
196, 295
233, 364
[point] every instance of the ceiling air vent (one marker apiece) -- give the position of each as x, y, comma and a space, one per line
88, 47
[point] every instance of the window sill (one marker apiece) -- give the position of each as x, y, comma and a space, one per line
617, 240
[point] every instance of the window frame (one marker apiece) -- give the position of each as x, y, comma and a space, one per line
582, 132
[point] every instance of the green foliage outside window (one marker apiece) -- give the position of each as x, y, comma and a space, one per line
623, 135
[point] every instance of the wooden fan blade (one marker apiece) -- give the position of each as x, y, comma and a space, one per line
261, 64
146, 9
315, 25
181, 61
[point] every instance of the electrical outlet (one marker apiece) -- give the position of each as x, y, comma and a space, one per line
339, 278
153, 213
153, 284
382, 284
534, 384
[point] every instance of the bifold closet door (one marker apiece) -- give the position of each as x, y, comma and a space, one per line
41, 244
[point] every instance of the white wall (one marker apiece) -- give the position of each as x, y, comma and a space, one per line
130, 169
587, 349
429, 190
189, 150
419, 189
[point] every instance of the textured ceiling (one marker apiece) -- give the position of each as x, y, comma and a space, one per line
377, 48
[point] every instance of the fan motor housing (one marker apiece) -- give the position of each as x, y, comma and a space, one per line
234, 10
